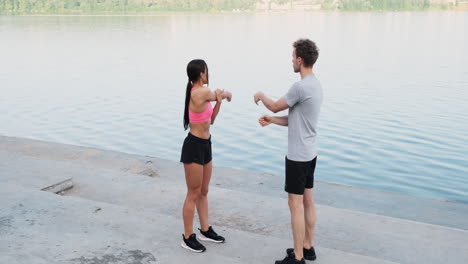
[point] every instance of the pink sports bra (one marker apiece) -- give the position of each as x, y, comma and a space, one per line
203, 116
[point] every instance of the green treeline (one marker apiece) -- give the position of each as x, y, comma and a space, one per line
117, 6
368, 5
133, 6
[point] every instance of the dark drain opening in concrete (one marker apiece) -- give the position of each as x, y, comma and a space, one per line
59, 188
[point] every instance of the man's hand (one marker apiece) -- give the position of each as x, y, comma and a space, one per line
265, 120
257, 97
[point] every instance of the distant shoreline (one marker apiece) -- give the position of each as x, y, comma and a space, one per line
165, 13
151, 7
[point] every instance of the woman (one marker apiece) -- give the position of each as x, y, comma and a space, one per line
199, 115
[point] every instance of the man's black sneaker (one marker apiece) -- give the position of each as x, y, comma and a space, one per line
211, 235
290, 259
309, 254
192, 244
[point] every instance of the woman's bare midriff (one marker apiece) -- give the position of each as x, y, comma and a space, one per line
200, 130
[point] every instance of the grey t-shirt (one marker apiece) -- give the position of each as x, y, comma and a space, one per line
304, 99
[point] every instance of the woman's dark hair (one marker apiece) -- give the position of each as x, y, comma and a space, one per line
194, 69
307, 50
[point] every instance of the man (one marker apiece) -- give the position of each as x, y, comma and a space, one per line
303, 99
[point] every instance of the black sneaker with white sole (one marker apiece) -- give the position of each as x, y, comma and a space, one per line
309, 254
211, 236
192, 244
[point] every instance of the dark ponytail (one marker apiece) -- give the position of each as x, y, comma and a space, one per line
194, 69
188, 93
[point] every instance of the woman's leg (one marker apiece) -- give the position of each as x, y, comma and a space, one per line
194, 179
202, 204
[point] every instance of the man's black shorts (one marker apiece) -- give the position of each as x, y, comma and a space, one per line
299, 175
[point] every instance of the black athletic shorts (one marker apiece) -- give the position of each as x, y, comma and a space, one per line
196, 150
299, 175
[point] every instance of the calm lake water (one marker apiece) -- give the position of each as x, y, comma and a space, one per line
394, 118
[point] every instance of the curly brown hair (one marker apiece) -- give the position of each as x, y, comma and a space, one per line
307, 50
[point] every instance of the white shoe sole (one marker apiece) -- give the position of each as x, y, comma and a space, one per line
204, 238
189, 248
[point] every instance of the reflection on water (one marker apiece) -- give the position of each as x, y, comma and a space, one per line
394, 115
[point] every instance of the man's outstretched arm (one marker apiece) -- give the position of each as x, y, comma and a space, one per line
265, 120
274, 106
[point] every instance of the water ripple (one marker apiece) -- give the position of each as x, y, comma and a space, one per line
387, 122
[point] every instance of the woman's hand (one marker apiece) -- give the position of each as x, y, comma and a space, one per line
219, 95
265, 120
222, 94
228, 96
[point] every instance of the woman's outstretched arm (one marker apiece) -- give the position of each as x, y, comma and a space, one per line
220, 95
